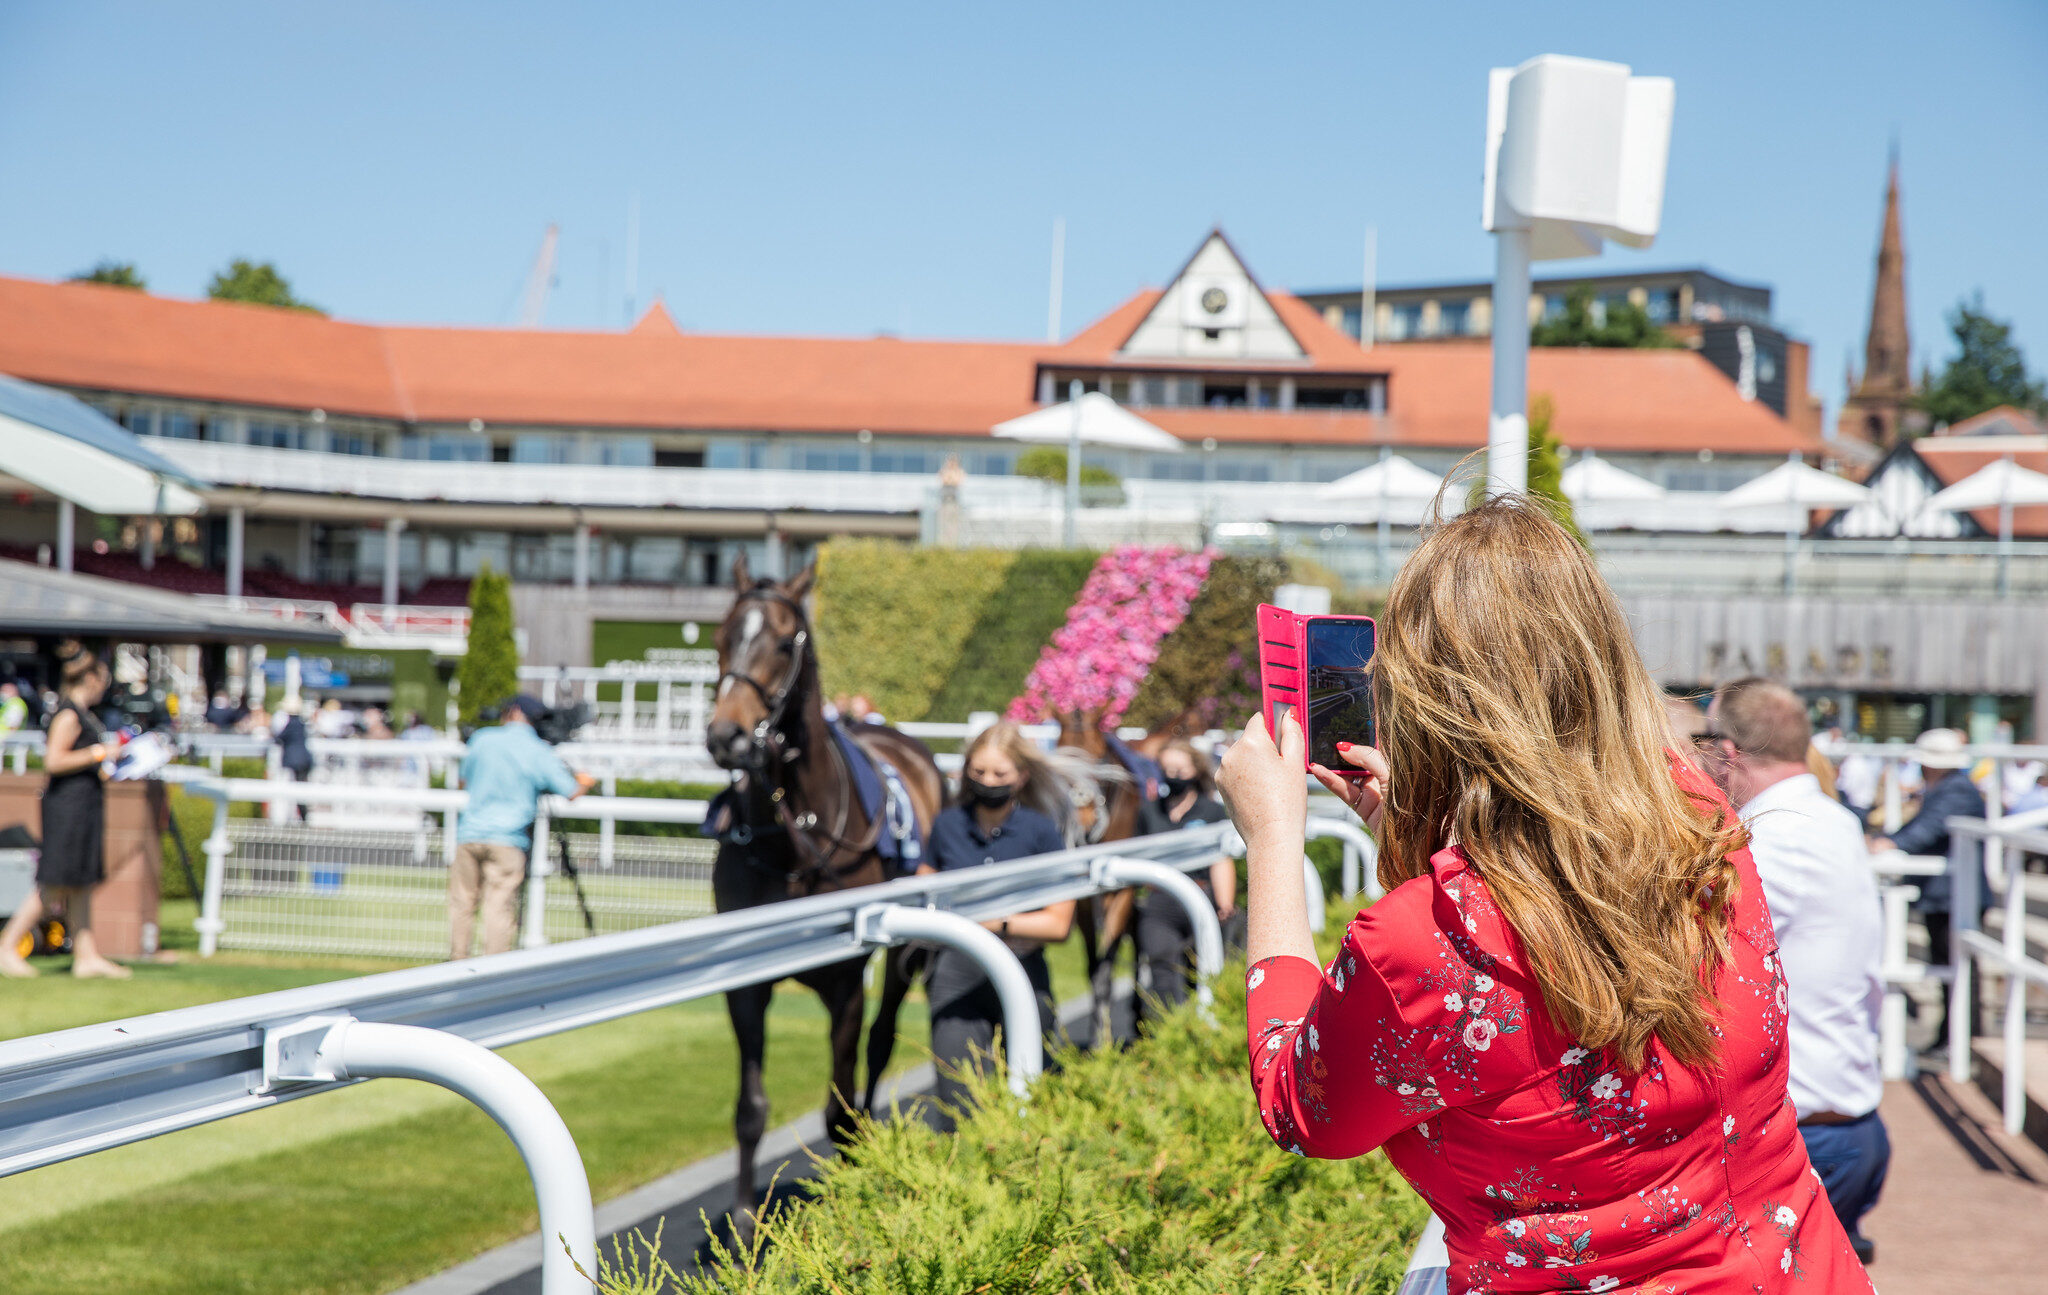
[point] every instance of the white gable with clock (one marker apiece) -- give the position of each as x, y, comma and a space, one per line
1213, 310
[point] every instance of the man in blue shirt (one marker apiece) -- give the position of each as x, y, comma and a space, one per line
506, 770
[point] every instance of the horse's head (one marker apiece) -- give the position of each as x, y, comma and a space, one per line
1082, 730
762, 649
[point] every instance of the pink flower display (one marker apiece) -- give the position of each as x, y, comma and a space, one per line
1133, 599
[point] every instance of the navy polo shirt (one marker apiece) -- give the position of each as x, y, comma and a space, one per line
958, 841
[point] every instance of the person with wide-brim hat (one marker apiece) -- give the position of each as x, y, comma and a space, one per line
1946, 793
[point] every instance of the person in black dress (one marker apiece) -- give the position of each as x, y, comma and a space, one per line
73, 858
1166, 936
986, 824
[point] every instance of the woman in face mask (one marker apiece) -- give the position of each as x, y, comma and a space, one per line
1166, 936
992, 821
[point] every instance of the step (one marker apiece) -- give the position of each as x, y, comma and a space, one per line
1990, 1077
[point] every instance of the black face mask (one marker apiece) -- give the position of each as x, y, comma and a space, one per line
1175, 788
984, 795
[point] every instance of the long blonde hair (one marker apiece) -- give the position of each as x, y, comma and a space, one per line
1048, 783
1522, 726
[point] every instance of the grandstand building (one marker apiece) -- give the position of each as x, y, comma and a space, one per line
355, 461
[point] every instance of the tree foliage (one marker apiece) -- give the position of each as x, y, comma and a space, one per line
1986, 371
114, 274
259, 284
1049, 463
488, 673
1546, 464
1620, 324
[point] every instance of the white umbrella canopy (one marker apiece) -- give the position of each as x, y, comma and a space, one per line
1594, 480
1094, 419
2002, 482
1796, 488
1391, 478
1792, 482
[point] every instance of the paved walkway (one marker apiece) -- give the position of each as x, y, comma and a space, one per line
1965, 1209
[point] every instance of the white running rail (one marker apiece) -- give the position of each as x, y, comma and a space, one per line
2007, 957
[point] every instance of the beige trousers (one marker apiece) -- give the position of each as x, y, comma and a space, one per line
495, 871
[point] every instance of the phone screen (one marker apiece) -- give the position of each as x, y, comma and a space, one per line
1339, 688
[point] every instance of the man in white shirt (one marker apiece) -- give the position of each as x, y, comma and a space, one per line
1816, 873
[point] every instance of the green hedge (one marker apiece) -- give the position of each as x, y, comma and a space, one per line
892, 619
1209, 658
1143, 1170
1014, 627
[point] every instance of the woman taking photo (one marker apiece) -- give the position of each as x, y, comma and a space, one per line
1565, 1022
73, 857
1166, 935
993, 820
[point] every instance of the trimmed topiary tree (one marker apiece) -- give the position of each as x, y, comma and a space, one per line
892, 619
489, 670
1014, 626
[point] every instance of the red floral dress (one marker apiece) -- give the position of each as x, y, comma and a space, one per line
1551, 1168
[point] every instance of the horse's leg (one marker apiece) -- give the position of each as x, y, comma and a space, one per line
897, 975
1116, 928
748, 1009
845, 1002
1088, 917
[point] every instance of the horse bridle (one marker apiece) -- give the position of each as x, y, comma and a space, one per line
768, 745
765, 742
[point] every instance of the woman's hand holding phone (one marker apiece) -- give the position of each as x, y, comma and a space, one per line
1367, 796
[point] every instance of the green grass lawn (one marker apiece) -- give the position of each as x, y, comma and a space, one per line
369, 1188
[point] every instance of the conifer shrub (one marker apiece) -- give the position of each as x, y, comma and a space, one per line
488, 673
1142, 1170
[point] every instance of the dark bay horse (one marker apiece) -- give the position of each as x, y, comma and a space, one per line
794, 826
1107, 921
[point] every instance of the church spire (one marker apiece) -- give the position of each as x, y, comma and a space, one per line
1878, 402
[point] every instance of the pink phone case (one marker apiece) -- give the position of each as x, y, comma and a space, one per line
1283, 670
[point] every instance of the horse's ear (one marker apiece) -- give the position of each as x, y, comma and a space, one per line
799, 585
742, 575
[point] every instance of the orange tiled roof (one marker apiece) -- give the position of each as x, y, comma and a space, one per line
655, 376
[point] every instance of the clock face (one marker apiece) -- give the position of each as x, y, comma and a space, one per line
1214, 300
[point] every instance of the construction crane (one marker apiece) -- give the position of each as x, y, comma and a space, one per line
533, 302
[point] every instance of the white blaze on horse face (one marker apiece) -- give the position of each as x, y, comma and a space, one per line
750, 628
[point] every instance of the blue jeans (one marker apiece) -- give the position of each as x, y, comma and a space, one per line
1851, 1160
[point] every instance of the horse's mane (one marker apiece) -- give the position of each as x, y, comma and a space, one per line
1076, 779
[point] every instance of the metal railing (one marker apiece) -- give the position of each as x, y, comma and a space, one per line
78, 1091
2006, 957
383, 892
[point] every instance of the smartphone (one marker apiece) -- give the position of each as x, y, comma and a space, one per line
1320, 668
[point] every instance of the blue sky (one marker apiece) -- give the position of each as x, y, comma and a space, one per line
842, 169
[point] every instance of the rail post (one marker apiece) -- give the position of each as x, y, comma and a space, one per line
1361, 854
1114, 872
2014, 1064
350, 1049
215, 848
896, 923
1962, 917
1429, 1267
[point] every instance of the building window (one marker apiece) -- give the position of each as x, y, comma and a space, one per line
679, 458
1357, 395
1223, 395
1322, 470
1404, 321
742, 455
142, 422
820, 459
989, 463
1662, 306
351, 443
543, 447
1177, 468
1243, 470
908, 461
276, 436
178, 426
1453, 318
446, 447
1349, 320
623, 451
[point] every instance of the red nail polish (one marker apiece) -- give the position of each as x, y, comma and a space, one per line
1343, 746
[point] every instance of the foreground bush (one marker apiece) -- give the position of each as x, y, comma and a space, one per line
1142, 1170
